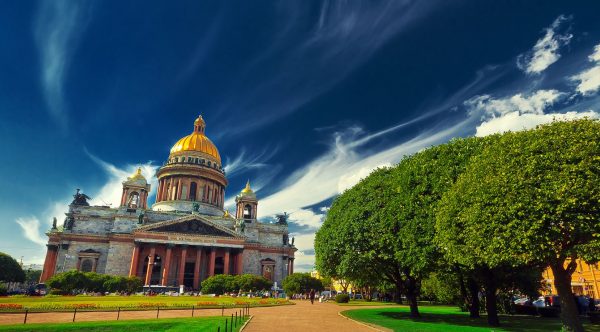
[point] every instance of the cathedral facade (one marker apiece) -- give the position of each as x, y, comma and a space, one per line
185, 237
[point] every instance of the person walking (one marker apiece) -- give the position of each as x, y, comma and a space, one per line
312, 296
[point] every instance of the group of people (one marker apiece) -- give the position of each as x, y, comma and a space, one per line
311, 295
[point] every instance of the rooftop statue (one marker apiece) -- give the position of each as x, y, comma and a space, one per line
80, 199
282, 218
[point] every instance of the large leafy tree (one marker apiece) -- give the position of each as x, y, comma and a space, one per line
533, 197
298, 283
10, 270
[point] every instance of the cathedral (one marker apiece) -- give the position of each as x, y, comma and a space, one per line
185, 237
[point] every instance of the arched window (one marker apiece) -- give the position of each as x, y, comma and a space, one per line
247, 211
193, 189
87, 265
134, 200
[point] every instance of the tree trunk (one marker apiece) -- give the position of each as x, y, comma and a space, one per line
490, 299
411, 296
474, 304
398, 293
568, 307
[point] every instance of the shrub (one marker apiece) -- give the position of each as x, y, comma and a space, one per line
3, 290
342, 298
219, 284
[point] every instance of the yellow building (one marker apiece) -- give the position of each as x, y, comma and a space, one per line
338, 285
584, 281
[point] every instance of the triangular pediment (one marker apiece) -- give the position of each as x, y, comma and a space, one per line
190, 225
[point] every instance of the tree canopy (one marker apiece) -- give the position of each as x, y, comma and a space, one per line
298, 283
533, 197
10, 270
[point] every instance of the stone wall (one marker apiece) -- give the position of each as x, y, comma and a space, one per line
74, 247
119, 258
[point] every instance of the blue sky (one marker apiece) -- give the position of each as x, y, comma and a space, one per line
304, 98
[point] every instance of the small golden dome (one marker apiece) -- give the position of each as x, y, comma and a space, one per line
197, 141
247, 190
138, 175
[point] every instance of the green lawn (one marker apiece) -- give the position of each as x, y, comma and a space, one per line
365, 303
171, 324
135, 302
450, 319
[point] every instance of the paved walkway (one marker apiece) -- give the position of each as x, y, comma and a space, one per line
305, 317
300, 317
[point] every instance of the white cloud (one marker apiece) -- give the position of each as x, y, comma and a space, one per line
515, 121
31, 230
534, 103
589, 79
519, 112
545, 50
57, 29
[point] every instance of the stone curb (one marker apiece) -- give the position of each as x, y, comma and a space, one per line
246, 323
363, 324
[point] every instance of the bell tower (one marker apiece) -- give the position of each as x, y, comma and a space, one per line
135, 191
246, 204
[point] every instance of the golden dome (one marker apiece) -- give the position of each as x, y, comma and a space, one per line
197, 142
138, 175
247, 190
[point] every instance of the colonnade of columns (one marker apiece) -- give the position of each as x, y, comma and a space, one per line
171, 189
173, 258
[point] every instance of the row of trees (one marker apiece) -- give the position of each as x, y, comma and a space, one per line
76, 281
301, 283
484, 213
224, 283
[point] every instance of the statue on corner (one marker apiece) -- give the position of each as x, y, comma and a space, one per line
195, 208
282, 218
80, 199
141, 218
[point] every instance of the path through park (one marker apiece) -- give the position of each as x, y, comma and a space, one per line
299, 317
304, 317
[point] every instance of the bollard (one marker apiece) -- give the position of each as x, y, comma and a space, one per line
222, 310
25, 320
157, 311
118, 313
192, 311
74, 313
236, 319
226, 325
231, 325
218, 329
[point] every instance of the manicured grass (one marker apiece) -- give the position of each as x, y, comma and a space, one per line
134, 302
450, 319
365, 303
171, 324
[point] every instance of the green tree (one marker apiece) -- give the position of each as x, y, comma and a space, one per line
10, 270
298, 283
531, 198
219, 284
251, 282
32, 276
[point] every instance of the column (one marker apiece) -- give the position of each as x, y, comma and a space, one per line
124, 197
179, 186
239, 261
170, 193
49, 262
159, 191
292, 266
150, 266
182, 265
211, 262
197, 267
134, 260
167, 267
595, 290
226, 262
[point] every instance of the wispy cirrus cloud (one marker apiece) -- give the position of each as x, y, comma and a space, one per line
57, 30
342, 37
545, 52
588, 81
